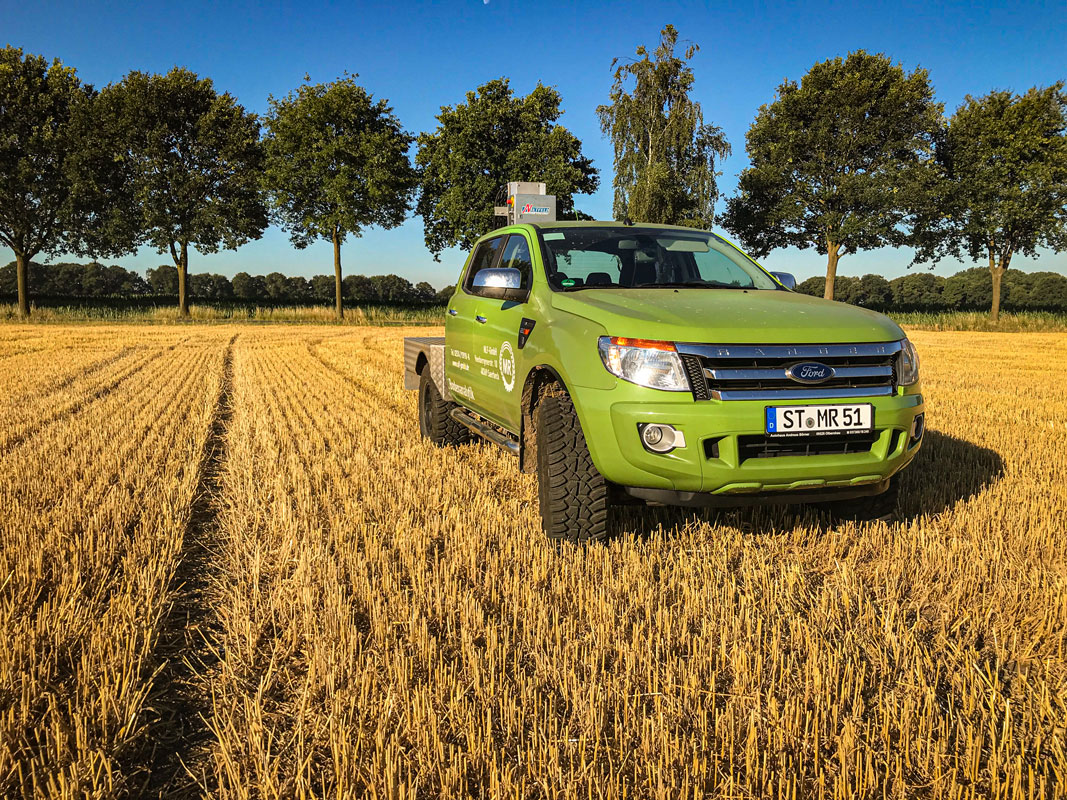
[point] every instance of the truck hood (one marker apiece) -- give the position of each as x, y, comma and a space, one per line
726, 316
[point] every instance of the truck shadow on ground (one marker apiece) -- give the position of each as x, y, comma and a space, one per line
947, 472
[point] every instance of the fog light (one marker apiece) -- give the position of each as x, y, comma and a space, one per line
658, 438
918, 425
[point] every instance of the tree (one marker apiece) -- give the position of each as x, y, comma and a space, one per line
838, 161
968, 289
872, 291
299, 291
812, 286
163, 280
478, 146
277, 286
425, 292
393, 289
209, 286
360, 289
1003, 185
249, 287
323, 288
1049, 291
197, 162
337, 162
920, 291
665, 155
56, 191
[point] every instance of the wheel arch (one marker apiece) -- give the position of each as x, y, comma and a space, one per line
539, 381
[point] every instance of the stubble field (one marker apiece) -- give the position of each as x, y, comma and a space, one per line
230, 567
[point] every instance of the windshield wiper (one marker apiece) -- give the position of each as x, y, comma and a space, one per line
688, 285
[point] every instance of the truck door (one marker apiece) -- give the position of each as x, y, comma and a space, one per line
461, 369
495, 350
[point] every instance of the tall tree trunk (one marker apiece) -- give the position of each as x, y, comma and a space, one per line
183, 274
337, 273
997, 272
21, 263
833, 255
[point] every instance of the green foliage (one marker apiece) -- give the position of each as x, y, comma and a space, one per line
195, 163
59, 190
838, 161
209, 286
812, 286
482, 144
665, 155
249, 287
919, 291
336, 162
360, 289
967, 290
1002, 183
75, 280
163, 279
322, 288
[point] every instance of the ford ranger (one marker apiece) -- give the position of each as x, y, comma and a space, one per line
636, 362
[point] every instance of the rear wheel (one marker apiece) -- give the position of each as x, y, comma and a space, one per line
435, 420
866, 509
572, 494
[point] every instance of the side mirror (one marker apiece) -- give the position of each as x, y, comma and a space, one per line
786, 279
504, 283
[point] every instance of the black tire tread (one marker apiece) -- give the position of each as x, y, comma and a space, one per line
572, 494
435, 420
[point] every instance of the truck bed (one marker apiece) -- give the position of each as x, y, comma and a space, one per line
432, 348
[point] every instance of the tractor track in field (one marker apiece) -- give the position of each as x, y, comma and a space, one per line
85, 372
78, 405
179, 742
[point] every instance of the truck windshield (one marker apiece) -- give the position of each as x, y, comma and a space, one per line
646, 258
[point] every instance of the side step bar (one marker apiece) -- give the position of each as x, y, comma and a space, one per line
485, 431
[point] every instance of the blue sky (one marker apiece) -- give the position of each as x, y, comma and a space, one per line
421, 56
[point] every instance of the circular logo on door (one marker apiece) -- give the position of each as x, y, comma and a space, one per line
506, 362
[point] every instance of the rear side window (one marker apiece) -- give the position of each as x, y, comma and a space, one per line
484, 258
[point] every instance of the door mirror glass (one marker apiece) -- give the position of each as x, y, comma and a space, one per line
503, 283
786, 279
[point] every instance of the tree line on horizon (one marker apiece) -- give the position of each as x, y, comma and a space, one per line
71, 280
856, 155
966, 290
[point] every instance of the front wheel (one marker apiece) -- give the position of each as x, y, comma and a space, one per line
435, 420
572, 494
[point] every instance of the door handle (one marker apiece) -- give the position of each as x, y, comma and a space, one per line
452, 311
481, 319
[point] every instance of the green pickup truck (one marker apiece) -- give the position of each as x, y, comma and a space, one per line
633, 362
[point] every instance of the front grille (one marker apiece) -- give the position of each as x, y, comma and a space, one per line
695, 370
769, 447
750, 372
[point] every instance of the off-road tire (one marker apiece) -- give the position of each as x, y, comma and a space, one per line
866, 509
435, 422
573, 496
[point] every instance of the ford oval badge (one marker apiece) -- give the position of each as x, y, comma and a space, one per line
810, 372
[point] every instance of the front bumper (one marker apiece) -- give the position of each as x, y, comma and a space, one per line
610, 421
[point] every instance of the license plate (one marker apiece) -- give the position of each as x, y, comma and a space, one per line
819, 420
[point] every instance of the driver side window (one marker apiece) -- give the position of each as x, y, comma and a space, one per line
484, 258
517, 256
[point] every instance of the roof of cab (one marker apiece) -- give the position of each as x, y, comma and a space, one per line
605, 224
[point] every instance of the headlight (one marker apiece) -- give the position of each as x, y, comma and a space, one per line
908, 366
645, 362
